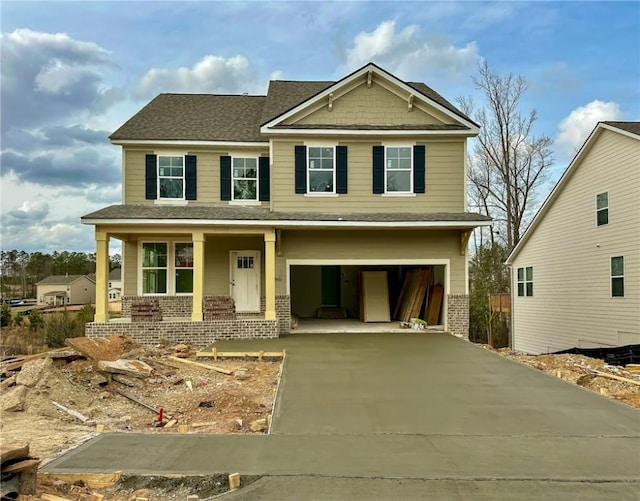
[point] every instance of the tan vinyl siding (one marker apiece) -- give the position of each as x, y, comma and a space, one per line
445, 181
372, 106
130, 268
372, 244
570, 256
208, 172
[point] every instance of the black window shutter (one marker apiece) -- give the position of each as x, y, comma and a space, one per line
341, 169
151, 177
225, 178
264, 192
378, 169
418, 169
301, 169
190, 178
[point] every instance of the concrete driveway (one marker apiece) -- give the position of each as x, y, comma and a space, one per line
404, 416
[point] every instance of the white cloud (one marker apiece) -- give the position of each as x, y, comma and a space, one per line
210, 74
574, 129
408, 54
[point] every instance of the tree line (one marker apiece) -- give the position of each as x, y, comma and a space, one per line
21, 270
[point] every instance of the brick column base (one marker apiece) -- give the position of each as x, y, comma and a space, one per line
458, 315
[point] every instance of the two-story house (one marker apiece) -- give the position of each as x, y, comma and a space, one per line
576, 271
279, 201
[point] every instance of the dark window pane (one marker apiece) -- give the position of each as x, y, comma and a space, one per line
184, 255
617, 287
617, 266
171, 188
398, 181
603, 217
184, 281
321, 182
154, 255
520, 289
602, 200
529, 289
244, 190
520, 274
154, 281
529, 271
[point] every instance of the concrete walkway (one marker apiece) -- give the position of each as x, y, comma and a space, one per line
357, 412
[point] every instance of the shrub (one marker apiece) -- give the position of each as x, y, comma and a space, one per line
18, 320
5, 315
36, 320
86, 314
59, 327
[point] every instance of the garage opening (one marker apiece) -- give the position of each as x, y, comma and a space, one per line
366, 297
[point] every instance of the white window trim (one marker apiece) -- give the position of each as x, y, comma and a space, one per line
612, 276
524, 281
386, 156
321, 193
246, 200
184, 177
602, 208
171, 267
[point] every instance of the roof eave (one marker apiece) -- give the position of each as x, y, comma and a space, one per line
471, 132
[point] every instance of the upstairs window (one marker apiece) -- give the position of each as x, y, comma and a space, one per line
321, 170
525, 282
398, 170
171, 177
245, 178
602, 208
617, 276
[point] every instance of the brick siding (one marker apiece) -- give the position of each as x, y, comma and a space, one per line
458, 315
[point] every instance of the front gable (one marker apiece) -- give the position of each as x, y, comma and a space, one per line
372, 98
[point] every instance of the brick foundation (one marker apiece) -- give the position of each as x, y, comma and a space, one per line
458, 315
170, 306
195, 333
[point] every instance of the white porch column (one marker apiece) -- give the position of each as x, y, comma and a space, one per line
270, 275
198, 276
102, 277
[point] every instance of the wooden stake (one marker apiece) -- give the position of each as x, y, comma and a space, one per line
183, 428
71, 412
203, 366
99, 428
234, 481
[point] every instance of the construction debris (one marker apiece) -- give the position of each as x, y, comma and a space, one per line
202, 366
134, 368
103, 348
19, 471
71, 412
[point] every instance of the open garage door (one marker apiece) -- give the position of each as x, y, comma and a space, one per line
332, 290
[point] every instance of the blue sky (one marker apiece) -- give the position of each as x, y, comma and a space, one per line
72, 72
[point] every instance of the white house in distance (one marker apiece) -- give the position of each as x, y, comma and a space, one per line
115, 284
576, 270
61, 290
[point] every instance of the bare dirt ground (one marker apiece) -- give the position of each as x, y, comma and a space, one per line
579, 370
193, 400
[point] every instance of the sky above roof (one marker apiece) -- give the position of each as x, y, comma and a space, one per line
73, 72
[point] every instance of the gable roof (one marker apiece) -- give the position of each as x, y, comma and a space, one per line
238, 118
115, 274
196, 117
323, 89
62, 279
629, 129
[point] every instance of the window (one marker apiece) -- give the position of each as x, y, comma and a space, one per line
398, 170
525, 282
154, 268
245, 178
321, 170
617, 276
602, 208
184, 267
167, 268
171, 177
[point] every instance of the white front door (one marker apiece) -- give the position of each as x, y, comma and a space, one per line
245, 280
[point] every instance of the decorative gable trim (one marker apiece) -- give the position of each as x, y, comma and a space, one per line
365, 73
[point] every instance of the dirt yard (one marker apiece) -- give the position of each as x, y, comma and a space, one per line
583, 371
237, 397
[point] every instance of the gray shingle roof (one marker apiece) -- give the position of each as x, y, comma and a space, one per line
234, 213
196, 117
60, 279
633, 127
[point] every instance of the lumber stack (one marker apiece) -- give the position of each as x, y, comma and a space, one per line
219, 308
413, 293
19, 471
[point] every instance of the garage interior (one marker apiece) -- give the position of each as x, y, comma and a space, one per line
365, 297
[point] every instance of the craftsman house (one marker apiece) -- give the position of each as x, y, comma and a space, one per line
281, 202
576, 270
62, 290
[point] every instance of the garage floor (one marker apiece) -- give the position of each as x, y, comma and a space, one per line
348, 325
357, 412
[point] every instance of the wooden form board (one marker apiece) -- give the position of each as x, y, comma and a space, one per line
434, 304
374, 295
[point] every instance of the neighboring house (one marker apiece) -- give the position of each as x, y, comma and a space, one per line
280, 200
576, 270
60, 290
115, 284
